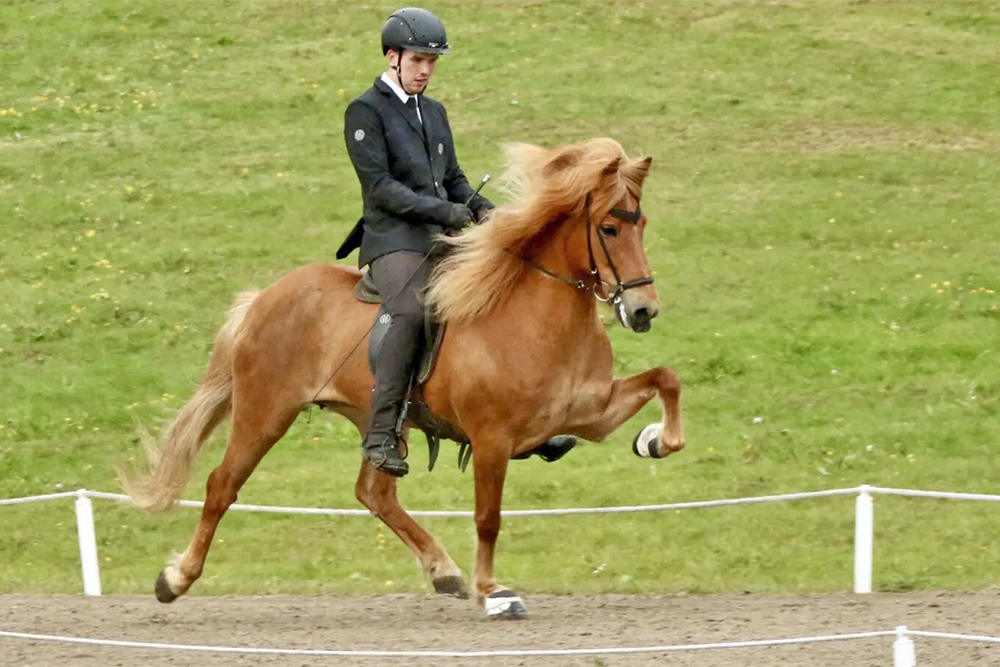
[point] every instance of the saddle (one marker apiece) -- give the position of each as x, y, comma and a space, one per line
416, 409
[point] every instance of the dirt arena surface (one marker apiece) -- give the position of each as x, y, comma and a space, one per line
424, 622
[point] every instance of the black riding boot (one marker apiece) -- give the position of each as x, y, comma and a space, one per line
401, 278
393, 369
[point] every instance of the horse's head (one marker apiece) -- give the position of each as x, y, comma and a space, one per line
574, 215
616, 258
602, 224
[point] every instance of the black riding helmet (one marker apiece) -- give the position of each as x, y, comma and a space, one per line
414, 29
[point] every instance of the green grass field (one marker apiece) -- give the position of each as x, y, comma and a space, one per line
822, 212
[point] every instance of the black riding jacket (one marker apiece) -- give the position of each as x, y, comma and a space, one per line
409, 173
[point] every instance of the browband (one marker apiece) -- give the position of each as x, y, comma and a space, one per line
627, 216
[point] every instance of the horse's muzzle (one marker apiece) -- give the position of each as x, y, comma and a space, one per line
642, 319
635, 311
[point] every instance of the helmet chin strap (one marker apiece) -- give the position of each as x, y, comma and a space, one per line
399, 71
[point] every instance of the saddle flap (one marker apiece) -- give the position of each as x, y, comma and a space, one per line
433, 335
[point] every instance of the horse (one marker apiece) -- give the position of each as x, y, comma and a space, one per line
525, 356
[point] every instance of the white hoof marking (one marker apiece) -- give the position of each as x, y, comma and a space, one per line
495, 606
649, 437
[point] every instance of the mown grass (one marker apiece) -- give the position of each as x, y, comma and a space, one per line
822, 208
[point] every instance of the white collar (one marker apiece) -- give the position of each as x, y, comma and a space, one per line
403, 96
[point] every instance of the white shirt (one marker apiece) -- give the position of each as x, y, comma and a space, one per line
403, 96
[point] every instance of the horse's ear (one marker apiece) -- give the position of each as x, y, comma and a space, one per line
638, 171
562, 161
611, 173
612, 167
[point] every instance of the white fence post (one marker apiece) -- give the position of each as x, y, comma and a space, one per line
88, 544
864, 529
904, 654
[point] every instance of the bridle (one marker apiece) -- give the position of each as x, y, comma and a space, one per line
602, 290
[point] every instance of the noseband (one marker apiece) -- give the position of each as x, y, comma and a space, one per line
603, 291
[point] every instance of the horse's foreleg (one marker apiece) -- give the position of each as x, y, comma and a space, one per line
490, 465
377, 491
627, 396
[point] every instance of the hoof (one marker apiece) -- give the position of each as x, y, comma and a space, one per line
556, 448
453, 586
163, 592
505, 605
551, 450
647, 442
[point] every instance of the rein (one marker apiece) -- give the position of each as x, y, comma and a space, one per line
602, 291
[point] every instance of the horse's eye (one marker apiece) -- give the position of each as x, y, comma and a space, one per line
608, 230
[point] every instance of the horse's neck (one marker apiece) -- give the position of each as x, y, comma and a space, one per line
542, 312
549, 311
553, 248
544, 339
553, 303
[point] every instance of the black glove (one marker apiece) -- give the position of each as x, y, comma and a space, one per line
459, 216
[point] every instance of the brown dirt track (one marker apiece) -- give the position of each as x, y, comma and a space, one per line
418, 622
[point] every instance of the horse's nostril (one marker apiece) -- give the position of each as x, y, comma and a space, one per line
641, 320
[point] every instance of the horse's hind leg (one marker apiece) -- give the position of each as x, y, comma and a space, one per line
259, 421
377, 491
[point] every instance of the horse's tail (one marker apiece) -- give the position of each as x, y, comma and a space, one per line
171, 457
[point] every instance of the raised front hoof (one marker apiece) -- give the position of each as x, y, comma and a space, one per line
163, 592
453, 586
505, 605
647, 442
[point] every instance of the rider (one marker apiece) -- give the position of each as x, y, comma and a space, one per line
400, 144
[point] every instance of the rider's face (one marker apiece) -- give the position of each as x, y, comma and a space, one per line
416, 69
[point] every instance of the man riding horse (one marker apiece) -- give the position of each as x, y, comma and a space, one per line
526, 356
413, 189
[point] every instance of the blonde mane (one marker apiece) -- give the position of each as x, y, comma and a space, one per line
545, 187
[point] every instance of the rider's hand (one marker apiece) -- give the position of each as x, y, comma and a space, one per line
481, 213
459, 216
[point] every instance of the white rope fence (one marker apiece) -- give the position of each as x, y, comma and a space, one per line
864, 519
904, 652
903, 648
504, 653
277, 509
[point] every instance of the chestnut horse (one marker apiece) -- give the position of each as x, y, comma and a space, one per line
525, 357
